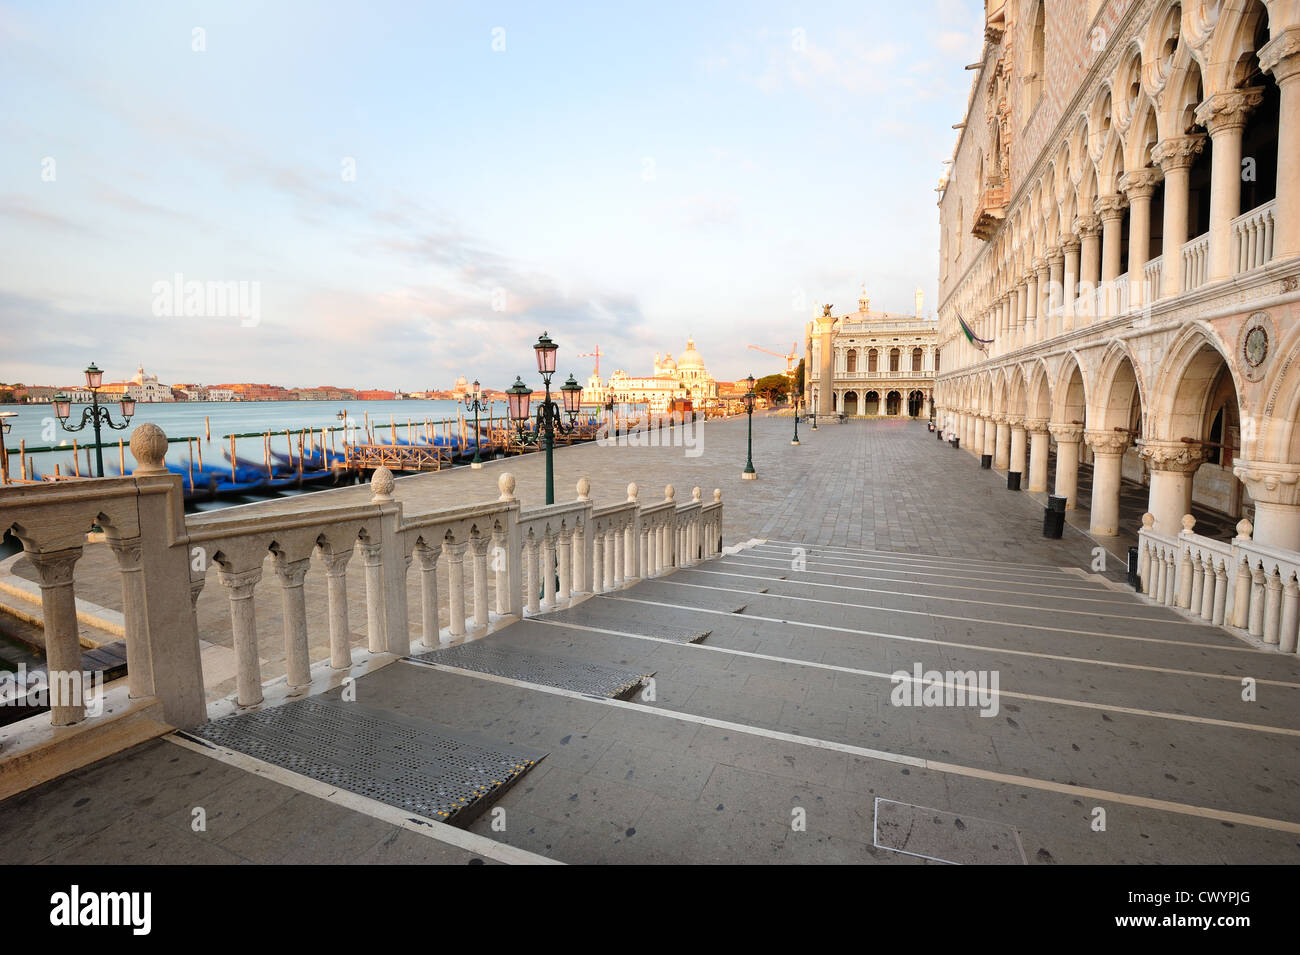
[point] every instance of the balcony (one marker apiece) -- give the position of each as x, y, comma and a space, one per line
1252, 238
990, 212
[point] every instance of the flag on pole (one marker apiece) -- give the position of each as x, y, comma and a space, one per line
980, 343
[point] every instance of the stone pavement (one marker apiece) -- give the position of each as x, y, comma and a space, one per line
777, 738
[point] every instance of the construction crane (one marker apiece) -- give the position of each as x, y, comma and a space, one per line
791, 360
596, 355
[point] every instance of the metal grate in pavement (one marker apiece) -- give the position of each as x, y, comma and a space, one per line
945, 836
418, 766
530, 666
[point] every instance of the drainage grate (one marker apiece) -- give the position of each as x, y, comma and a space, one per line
418, 766
945, 836
582, 676
582, 617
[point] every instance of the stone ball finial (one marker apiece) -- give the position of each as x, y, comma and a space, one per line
695, 493
149, 446
1245, 528
1148, 520
381, 486
632, 491
1188, 522
717, 495
669, 492
584, 489
506, 484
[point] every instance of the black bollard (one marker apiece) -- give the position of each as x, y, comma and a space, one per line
1013, 480
1054, 517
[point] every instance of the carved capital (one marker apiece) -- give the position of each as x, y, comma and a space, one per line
1110, 207
291, 572
372, 551
481, 544
1107, 442
1178, 151
1036, 425
55, 567
1015, 423
455, 551
1066, 433
1279, 55
127, 551
1175, 456
1055, 258
1229, 108
1141, 183
1270, 482
1088, 227
1071, 244
240, 583
336, 564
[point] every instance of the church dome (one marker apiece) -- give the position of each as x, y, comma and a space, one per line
668, 363
690, 359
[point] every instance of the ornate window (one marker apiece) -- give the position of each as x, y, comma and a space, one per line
873, 361
916, 359
893, 359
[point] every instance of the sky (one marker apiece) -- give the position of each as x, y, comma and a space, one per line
407, 192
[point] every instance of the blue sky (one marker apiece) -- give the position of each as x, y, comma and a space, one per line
621, 174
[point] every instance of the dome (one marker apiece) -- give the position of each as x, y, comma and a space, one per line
668, 364
690, 358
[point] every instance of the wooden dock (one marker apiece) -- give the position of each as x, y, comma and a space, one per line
398, 457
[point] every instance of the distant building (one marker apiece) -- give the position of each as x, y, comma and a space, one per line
376, 395
38, 394
683, 378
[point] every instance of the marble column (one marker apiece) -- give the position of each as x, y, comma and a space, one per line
990, 435
1175, 156
1224, 116
1036, 428
1067, 438
1088, 229
1107, 457
1172, 465
1070, 279
1281, 57
1139, 186
1017, 456
1275, 489
1042, 320
1055, 291
1002, 443
826, 385
1111, 211
293, 605
67, 688
1031, 307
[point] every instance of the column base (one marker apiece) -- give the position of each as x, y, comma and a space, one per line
748, 476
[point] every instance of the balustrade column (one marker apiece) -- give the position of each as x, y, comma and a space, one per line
1224, 116
67, 688
480, 547
1241, 591
1272, 608
336, 583
1220, 594
598, 559
1172, 465
500, 563
1207, 590
243, 625
565, 542
1175, 156
1281, 57
1067, 438
139, 663
1197, 568
454, 552
293, 605
1255, 619
1107, 458
428, 560
1290, 615
372, 553
1038, 448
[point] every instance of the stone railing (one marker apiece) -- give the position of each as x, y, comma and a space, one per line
1152, 274
1238, 584
1252, 238
1196, 262
166, 559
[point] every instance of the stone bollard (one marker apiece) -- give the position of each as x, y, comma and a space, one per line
584, 489
149, 446
381, 486
506, 484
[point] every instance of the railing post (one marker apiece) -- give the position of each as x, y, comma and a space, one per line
294, 607
1220, 593
1241, 599
397, 638
548, 567
597, 534
480, 546
1272, 608
530, 579
62, 642
513, 545
454, 551
582, 552
428, 560
670, 528
336, 582
1184, 598
372, 553
1255, 625
566, 564
239, 586
1290, 616
139, 665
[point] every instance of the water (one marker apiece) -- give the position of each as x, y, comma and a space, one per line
37, 425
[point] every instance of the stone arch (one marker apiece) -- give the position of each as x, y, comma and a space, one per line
1017, 394
1070, 395
1278, 431
1192, 365
851, 403
1225, 59
1118, 391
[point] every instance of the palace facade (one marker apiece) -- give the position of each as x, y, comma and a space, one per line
870, 363
1120, 231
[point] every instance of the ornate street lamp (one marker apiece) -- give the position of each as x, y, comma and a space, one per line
5, 428
749, 474
96, 414
474, 402
798, 400
549, 417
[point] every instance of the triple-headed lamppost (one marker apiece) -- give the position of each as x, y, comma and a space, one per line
474, 402
96, 414
749, 474
548, 412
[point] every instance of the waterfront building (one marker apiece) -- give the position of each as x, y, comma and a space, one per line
685, 377
1120, 234
870, 363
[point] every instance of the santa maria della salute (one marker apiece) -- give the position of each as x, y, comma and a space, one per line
684, 377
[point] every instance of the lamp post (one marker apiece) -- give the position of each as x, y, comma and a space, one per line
548, 418
749, 474
5, 428
474, 403
96, 414
797, 401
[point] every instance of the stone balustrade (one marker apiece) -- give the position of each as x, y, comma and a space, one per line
1240, 584
533, 559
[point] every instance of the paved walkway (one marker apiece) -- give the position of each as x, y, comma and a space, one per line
1118, 732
